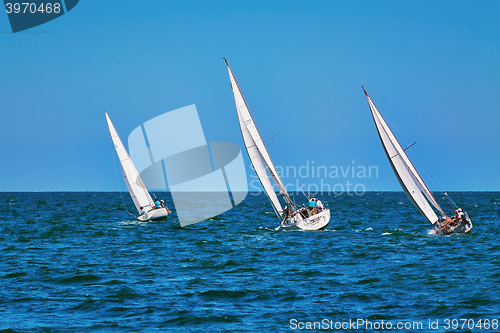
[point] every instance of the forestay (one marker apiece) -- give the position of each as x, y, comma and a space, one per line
407, 175
136, 188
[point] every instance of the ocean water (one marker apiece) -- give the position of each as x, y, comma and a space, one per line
78, 262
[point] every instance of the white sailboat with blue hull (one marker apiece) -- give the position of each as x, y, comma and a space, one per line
139, 193
262, 163
413, 185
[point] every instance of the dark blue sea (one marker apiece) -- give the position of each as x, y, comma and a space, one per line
78, 262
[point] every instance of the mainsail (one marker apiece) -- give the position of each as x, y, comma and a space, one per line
136, 188
407, 175
259, 156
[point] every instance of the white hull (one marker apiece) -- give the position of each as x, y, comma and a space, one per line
316, 222
154, 214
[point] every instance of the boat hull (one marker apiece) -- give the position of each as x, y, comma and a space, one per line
318, 221
154, 214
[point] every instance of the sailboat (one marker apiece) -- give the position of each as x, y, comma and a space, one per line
139, 193
413, 185
291, 216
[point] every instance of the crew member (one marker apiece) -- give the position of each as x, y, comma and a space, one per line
287, 215
312, 204
319, 205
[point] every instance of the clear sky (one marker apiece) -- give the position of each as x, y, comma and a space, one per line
431, 67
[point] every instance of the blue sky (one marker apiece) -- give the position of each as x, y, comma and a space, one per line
431, 67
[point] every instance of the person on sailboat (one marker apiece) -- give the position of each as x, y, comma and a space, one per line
312, 204
446, 222
287, 215
452, 222
319, 205
144, 210
157, 204
162, 202
457, 219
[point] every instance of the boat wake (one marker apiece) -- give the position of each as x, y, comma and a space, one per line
432, 232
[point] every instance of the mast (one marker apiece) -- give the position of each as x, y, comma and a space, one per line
405, 172
138, 192
256, 149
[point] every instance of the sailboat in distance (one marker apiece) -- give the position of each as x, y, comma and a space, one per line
412, 183
140, 196
303, 218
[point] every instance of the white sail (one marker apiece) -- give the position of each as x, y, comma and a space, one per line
407, 175
136, 188
259, 156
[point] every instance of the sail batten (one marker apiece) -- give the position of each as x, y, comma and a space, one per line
138, 192
407, 175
